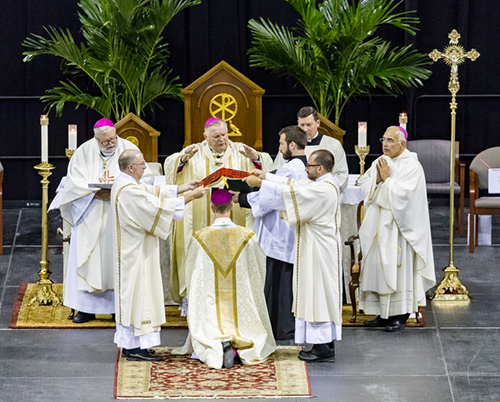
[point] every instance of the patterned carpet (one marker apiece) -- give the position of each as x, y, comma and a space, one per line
32, 317
180, 377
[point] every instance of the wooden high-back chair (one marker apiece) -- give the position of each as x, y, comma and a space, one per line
355, 266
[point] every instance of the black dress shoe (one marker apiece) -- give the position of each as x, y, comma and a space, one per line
227, 355
113, 317
397, 323
138, 354
82, 317
377, 322
322, 352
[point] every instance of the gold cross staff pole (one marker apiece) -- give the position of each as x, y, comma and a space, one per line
451, 288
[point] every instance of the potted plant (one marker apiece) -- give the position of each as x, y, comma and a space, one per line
123, 57
334, 53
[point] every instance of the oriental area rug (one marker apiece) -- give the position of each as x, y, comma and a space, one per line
180, 377
56, 317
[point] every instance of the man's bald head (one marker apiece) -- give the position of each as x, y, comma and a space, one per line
128, 157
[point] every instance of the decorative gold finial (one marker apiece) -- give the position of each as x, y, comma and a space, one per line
454, 36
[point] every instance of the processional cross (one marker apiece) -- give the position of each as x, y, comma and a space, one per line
451, 288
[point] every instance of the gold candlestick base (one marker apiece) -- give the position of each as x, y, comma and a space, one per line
45, 294
451, 288
362, 152
70, 152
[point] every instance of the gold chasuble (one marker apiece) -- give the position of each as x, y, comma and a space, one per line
225, 287
198, 214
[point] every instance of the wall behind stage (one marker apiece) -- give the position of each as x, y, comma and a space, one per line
217, 30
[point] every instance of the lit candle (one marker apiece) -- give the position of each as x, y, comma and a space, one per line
403, 119
72, 137
362, 134
44, 122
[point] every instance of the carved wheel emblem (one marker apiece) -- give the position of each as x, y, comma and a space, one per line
225, 107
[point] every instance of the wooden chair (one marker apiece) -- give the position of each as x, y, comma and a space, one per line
1, 210
478, 176
355, 266
434, 156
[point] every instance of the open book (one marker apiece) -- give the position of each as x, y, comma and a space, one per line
233, 179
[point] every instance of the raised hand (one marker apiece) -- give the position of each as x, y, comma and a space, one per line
188, 153
249, 152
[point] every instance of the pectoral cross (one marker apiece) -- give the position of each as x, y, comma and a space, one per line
106, 178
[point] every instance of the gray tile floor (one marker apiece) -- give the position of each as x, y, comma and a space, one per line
455, 358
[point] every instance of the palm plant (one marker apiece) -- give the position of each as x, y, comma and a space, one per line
123, 57
334, 54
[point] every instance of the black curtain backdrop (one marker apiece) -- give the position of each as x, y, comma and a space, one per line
216, 30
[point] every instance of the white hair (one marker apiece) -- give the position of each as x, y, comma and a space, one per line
102, 130
401, 135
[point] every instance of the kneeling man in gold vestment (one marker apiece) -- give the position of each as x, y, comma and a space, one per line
225, 288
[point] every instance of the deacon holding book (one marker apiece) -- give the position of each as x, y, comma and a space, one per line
308, 120
142, 214
195, 163
395, 237
88, 286
225, 272
312, 206
277, 238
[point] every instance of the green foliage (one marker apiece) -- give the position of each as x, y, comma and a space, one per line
123, 58
334, 53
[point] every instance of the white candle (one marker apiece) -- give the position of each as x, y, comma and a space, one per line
72, 137
44, 122
362, 134
403, 119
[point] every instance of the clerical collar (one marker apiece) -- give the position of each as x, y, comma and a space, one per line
224, 223
302, 158
107, 153
315, 140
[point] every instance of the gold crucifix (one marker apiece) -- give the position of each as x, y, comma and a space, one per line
451, 288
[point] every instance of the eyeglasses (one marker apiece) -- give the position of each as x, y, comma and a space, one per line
309, 165
106, 143
390, 141
143, 164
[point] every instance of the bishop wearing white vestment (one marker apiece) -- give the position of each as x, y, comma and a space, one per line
195, 163
313, 207
395, 236
308, 120
142, 214
225, 287
88, 286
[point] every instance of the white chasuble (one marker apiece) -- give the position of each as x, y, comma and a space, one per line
198, 214
91, 259
340, 170
142, 214
314, 209
395, 238
226, 302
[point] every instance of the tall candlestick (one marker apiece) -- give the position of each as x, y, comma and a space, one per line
403, 119
44, 122
362, 134
72, 137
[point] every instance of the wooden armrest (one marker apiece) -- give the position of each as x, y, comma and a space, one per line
350, 240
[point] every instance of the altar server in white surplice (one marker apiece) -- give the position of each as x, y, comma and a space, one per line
308, 120
277, 238
313, 207
225, 275
395, 237
142, 214
88, 286
196, 162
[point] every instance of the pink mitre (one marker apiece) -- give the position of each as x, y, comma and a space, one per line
211, 120
104, 123
221, 196
404, 132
